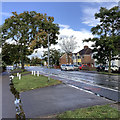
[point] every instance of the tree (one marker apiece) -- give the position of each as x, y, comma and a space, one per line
35, 61
29, 30
106, 41
10, 53
54, 56
68, 45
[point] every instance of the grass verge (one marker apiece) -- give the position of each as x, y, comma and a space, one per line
29, 82
95, 112
106, 73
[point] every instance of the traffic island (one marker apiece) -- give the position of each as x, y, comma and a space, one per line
30, 82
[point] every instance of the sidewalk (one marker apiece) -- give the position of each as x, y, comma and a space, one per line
8, 107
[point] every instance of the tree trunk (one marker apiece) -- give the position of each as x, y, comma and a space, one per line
109, 63
22, 63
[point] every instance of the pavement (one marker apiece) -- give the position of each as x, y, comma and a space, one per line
8, 107
48, 101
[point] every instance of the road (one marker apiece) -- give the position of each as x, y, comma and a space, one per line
103, 85
87, 77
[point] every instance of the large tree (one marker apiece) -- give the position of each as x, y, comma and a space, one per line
68, 45
106, 40
29, 30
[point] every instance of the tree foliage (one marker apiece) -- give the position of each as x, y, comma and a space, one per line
10, 53
29, 30
107, 36
54, 56
36, 61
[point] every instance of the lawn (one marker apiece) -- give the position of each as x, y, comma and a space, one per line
95, 112
29, 82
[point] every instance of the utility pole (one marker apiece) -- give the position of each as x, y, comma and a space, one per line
48, 59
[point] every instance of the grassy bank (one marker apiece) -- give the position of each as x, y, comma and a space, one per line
95, 112
106, 73
29, 82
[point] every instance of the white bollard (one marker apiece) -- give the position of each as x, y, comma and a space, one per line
38, 73
32, 72
19, 76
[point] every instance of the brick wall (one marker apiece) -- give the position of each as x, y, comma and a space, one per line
63, 59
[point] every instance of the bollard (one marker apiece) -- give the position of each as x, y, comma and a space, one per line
38, 73
34, 73
19, 76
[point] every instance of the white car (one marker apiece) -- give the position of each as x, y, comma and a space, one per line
114, 68
67, 67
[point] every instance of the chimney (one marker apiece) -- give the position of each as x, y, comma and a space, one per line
85, 47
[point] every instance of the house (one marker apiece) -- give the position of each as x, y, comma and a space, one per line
64, 59
84, 56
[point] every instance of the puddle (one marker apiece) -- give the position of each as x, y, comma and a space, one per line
20, 115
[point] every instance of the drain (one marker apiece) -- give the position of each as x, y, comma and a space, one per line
20, 115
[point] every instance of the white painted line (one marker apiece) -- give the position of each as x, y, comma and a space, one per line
80, 89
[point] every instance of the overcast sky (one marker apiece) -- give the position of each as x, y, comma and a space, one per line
74, 18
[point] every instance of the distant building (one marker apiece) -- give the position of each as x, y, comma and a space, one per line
64, 59
84, 56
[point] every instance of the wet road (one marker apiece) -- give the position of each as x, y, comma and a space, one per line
108, 81
99, 84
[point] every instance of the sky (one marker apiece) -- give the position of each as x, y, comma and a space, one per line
74, 18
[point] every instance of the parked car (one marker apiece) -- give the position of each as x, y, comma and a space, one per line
67, 67
63, 66
76, 67
100, 68
114, 68
83, 67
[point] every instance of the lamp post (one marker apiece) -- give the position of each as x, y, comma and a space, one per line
48, 58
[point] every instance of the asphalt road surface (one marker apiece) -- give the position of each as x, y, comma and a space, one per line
102, 85
108, 81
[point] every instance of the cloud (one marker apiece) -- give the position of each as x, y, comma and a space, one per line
79, 35
89, 12
64, 26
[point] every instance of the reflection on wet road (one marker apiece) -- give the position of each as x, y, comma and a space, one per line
108, 81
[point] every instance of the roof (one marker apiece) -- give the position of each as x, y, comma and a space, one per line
85, 51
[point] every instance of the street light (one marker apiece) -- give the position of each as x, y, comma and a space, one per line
48, 58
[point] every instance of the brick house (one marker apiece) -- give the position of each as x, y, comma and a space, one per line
64, 59
83, 57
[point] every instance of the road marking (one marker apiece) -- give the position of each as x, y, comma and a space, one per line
92, 84
80, 88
